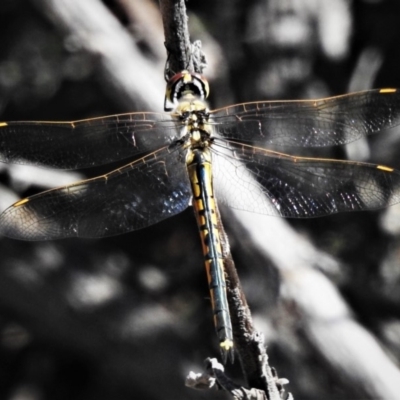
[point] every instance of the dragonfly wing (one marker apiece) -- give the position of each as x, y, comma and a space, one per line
133, 197
298, 187
310, 123
86, 143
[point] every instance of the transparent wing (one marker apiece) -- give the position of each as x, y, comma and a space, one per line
310, 123
85, 143
299, 187
133, 197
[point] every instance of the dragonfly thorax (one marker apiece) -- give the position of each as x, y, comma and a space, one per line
188, 92
194, 114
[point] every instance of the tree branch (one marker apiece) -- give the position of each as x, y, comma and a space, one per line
131, 78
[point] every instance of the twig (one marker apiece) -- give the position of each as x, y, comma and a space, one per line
176, 33
182, 54
215, 377
249, 344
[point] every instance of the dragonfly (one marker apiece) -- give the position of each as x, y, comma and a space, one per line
179, 158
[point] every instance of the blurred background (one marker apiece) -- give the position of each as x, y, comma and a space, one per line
129, 316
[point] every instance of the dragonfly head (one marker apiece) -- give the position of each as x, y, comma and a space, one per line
182, 85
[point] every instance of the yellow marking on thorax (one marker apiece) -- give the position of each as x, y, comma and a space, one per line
384, 168
190, 104
388, 90
195, 136
3, 124
20, 203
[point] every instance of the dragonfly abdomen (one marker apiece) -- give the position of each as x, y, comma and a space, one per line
199, 168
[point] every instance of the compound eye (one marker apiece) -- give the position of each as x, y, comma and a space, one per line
202, 85
182, 83
185, 115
